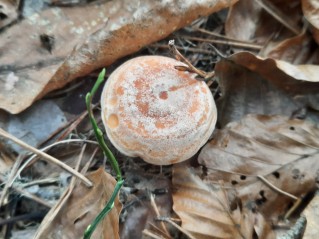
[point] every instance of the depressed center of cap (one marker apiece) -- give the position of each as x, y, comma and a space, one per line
156, 112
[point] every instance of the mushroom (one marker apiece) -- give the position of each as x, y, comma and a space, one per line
154, 111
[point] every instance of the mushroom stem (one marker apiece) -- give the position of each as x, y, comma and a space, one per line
98, 133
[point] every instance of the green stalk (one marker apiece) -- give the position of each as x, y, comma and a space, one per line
98, 133
110, 204
108, 153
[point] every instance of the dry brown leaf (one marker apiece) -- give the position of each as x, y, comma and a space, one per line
251, 84
248, 21
77, 209
284, 151
312, 215
205, 210
110, 30
300, 49
310, 10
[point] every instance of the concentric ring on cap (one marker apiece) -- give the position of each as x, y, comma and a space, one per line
153, 111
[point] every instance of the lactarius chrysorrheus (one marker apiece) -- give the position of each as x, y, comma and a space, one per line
154, 111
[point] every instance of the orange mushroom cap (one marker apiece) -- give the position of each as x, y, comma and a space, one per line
153, 111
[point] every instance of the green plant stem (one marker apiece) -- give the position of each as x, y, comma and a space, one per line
98, 133
108, 153
110, 204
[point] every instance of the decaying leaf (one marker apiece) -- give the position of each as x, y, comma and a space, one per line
300, 49
283, 151
205, 211
251, 84
276, 26
79, 207
248, 21
47, 50
310, 10
35, 125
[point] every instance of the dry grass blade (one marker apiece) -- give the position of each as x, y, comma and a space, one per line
10, 181
45, 156
281, 17
78, 207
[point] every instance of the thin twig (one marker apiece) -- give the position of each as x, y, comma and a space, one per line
165, 219
230, 43
57, 207
75, 123
279, 16
151, 234
8, 183
158, 214
29, 195
190, 49
87, 165
46, 157
33, 157
269, 184
293, 208
225, 37
189, 67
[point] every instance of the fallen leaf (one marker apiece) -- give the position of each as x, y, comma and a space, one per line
77, 208
300, 49
109, 31
205, 211
311, 12
283, 151
312, 215
35, 125
250, 84
248, 21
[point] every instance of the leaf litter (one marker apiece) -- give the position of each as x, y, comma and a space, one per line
283, 151
78, 207
205, 210
270, 162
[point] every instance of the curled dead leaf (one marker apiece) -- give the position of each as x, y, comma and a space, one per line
78, 207
311, 11
109, 31
251, 84
248, 21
